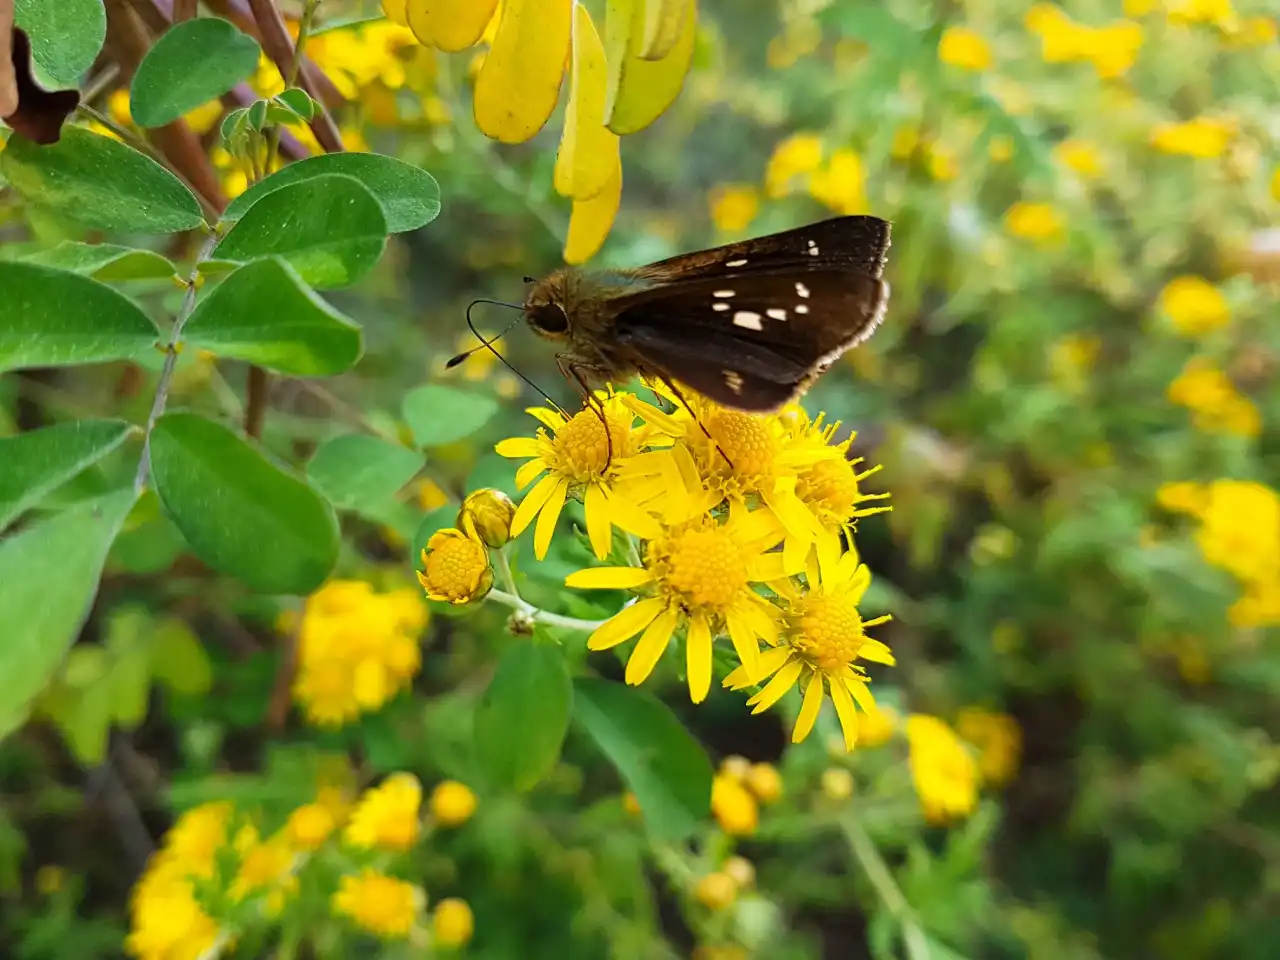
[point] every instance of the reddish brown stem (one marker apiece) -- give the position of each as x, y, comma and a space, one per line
258, 392
183, 10
8, 79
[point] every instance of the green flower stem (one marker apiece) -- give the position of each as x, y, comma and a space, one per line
504, 571
873, 865
544, 617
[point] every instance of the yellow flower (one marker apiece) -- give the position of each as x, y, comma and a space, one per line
837, 783
1258, 607
697, 575
822, 639
387, 815
1062, 40
840, 184
1114, 48
356, 649
1240, 530
310, 825
796, 156
1215, 404
1184, 496
486, 516
1194, 305
49, 879
1203, 137
944, 773
1275, 184
452, 923
1080, 156
998, 739
715, 891
965, 48
734, 206
452, 803
359, 56
266, 866
579, 458
455, 568
733, 806
765, 782
1187, 12
1038, 222
741, 871
380, 904
877, 727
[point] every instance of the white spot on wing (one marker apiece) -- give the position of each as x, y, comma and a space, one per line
745, 318
777, 313
802, 308
720, 306
740, 262
733, 379
813, 249
723, 293
802, 290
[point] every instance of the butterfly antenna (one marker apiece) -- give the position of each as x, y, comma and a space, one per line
696, 419
489, 345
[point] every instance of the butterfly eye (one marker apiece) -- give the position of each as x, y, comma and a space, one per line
548, 318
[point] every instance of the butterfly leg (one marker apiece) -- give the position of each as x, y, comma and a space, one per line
680, 396
574, 370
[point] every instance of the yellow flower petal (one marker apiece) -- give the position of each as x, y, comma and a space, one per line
519, 82
528, 471
395, 11
631, 518
744, 642
782, 681
858, 688
551, 419
625, 624
663, 21
846, 712
698, 658
589, 151
608, 578
876, 652
518, 447
769, 566
548, 517
599, 529
639, 89
653, 642
532, 503
591, 220
770, 662
809, 709
450, 25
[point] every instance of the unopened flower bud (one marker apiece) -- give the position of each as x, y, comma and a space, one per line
455, 568
486, 515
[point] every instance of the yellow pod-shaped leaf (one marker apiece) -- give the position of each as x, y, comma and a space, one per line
395, 11
592, 219
450, 25
639, 89
588, 149
519, 82
663, 22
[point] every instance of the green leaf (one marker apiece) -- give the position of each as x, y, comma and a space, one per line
410, 196
354, 470
438, 414
104, 261
192, 63
51, 317
263, 313
300, 102
330, 228
242, 514
50, 574
522, 719
657, 757
39, 461
179, 660
66, 35
101, 183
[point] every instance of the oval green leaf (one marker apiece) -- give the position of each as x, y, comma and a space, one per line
192, 63
263, 313
523, 716
66, 35
51, 317
105, 261
438, 414
101, 183
42, 460
242, 514
329, 227
660, 761
410, 196
356, 470
50, 574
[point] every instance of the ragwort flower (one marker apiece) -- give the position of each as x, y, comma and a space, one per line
381, 904
455, 567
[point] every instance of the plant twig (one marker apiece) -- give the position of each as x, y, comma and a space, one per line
544, 617
873, 865
184, 10
257, 396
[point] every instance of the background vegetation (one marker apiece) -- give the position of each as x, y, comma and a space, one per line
1073, 400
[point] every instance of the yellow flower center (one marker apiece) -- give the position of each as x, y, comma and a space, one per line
745, 440
829, 485
704, 566
582, 446
829, 631
455, 567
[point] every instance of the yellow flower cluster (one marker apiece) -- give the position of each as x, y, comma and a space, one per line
1239, 531
943, 769
1194, 306
839, 182
965, 48
1112, 49
1202, 137
455, 562
1041, 223
738, 791
734, 525
1215, 404
356, 649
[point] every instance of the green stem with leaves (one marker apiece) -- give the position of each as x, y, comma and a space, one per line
877, 871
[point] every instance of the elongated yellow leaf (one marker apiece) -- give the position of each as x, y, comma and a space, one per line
395, 11
589, 150
641, 90
663, 21
519, 83
592, 219
449, 25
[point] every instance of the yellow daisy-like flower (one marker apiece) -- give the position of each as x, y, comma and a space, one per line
822, 639
381, 904
1203, 137
579, 458
387, 815
965, 48
699, 575
455, 567
944, 772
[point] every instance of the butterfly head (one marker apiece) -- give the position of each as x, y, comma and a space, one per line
552, 307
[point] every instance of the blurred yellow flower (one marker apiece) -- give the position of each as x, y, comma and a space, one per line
452, 923
943, 771
764, 780
1114, 48
965, 48
942, 162
840, 184
386, 816
452, 803
266, 867
1240, 530
1038, 222
1071, 358
1275, 184
1215, 12
1216, 405
798, 155
1000, 149
310, 825
1139, 8
358, 56
383, 905
734, 206
716, 890
1183, 496
1080, 156
356, 649
1062, 40
1194, 305
836, 782
455, 568
998, 739
1258, 607
877, 727
733, 806
1203, 137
